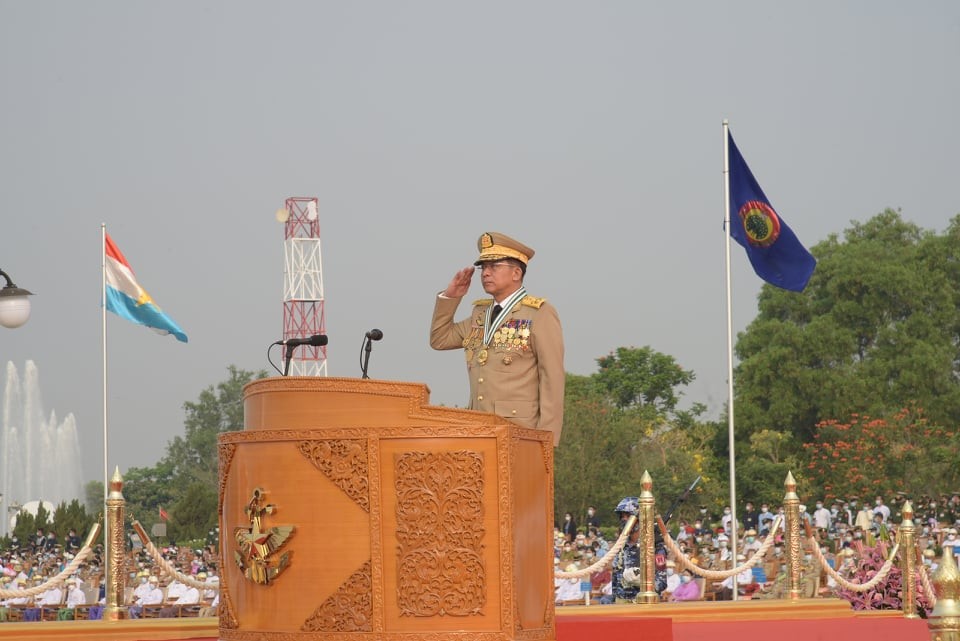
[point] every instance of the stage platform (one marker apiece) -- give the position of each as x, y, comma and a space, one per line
805, 620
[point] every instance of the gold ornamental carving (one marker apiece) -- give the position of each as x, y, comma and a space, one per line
344, 462
225, 453
256, 545
440, 569
350, 609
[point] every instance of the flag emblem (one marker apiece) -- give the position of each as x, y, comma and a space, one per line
775, 252
760, 223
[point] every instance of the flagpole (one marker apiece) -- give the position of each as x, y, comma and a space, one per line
103, 337
730, 440
103, 341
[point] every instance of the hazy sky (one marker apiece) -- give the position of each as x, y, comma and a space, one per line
589, 130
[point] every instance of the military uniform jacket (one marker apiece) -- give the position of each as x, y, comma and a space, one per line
519, 375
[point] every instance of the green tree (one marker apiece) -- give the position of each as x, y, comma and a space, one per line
195, 513
592, 463
185, 479
876, 329
69, 516
193, 456
621, 421
28, 524
642, 378
93, 497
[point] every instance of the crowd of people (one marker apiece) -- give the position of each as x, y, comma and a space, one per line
149, 592
841, 529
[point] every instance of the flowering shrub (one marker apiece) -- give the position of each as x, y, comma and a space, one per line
888, 595
866, 456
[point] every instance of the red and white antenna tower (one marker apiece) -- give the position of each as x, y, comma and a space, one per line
303, 314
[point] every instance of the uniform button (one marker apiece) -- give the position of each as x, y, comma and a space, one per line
514, 412
479, 380
480, 398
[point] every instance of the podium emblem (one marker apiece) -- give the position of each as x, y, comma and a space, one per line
257, 546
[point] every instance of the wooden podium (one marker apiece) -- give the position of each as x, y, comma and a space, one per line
352, 509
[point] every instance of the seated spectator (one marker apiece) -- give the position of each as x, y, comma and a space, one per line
75, 597
568, 589
688, 590
152, 596
190, 596
673, 579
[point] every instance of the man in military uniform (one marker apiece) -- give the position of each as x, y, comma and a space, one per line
512, 342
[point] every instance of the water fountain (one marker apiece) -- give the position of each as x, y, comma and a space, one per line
39, 457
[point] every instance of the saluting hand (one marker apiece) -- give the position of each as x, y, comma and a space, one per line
460, 284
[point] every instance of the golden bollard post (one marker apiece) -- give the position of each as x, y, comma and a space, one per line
648, 594
908, 543
791, 510
944, 621
115, 609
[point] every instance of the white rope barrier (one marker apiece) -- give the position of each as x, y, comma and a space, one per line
856, 587
63, 575
927, 587
606, 558
719, 575
166, 566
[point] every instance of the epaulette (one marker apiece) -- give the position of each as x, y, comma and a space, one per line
533, 301
482, 302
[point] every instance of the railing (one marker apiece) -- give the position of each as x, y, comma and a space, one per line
941, 589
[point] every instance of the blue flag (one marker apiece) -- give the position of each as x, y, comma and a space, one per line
776, 254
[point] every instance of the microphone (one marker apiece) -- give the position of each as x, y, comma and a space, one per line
317, 340
374, 334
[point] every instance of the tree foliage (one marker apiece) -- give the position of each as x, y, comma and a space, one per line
876, 329
621, 421
864, 456
184, 481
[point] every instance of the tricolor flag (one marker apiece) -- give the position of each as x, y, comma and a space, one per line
775, 252
127, 299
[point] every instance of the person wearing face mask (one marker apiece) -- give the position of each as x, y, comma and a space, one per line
688, 590
822, 518
849, 511
592, 520
569, 527
700, 528
704, 516
881, 509
810, 581
723, 551
950, 541
75, 597
864, 518
726, 521
750, 518
765, 519
626, 563
143, 586
750, 542
673, 579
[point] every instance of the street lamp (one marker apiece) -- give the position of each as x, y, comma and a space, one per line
14, 304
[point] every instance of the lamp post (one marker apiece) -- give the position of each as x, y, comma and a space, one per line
14, 304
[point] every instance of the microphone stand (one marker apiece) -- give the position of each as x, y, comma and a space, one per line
289, 356
368, 347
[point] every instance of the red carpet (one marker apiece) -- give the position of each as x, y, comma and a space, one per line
628, 628
873, 629
614, 628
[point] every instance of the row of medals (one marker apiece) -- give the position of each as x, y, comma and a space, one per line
503, 337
